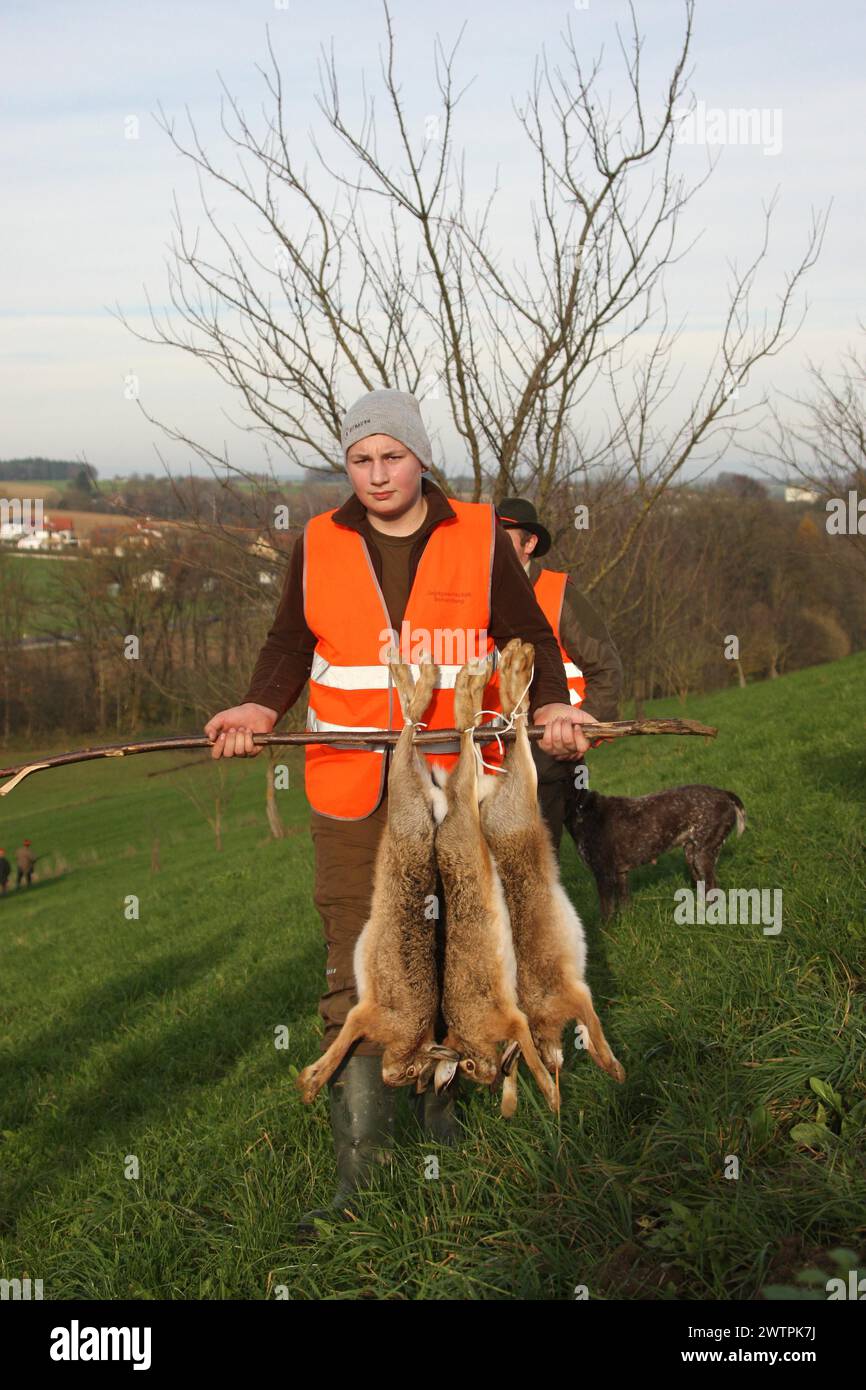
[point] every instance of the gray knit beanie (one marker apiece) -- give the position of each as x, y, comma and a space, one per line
387, 412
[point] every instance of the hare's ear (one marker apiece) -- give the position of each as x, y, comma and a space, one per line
509, 1057
444, 1075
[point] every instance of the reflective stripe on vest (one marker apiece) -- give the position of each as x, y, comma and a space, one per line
351, 688
550, 593
375, 677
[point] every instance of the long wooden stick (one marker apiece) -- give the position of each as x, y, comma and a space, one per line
622, 728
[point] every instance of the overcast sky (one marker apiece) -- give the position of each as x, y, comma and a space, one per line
87, 212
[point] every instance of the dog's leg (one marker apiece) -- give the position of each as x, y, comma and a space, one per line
701, 860
606, 895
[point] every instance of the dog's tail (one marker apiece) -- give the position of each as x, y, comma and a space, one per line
740, 811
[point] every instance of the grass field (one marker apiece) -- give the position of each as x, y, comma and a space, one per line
49, 493
152, 1042
44, 577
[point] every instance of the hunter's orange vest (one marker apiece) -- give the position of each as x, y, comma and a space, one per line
448, 613
550, 592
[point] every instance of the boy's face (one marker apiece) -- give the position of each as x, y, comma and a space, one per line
385, 475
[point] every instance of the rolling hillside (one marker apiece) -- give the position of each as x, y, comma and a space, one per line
153, 1037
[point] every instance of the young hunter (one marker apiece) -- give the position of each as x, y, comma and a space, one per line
593, 670
397, 557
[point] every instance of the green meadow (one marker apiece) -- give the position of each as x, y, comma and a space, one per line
152, 1144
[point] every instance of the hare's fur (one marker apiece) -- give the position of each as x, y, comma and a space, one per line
395, 956
546, 930
479, 998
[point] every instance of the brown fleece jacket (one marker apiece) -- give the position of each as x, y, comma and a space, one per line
284, 662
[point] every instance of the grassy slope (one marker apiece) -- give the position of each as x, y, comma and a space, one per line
42, 575
155, 1038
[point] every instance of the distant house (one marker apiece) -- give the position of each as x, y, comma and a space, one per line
151, 579
61, 530
263, 547
800, 494
35, 540
792, 492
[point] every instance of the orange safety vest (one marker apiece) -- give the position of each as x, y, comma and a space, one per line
550, 592
447, 615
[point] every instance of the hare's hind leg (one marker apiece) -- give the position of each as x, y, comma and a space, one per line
579, 1000
313, 1077
515, 672
469, 690
414, 698
519, 1030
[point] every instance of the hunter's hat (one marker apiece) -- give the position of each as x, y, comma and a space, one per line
519, 512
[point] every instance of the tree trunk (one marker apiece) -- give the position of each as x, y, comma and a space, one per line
278, 830
101, 712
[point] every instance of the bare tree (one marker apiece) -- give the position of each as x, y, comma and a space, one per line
824, 447
275, 820
211, 799
15, 605
395, 279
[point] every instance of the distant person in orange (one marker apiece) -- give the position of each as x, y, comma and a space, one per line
25, 860
5, 871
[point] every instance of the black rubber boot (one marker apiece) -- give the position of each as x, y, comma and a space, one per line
438, 1115
362, 1124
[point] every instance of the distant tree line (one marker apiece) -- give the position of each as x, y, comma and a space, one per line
45, 470
720, 586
